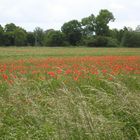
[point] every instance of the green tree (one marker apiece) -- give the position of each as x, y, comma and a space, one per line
72, 31
39, 36
88, 25
1, 36
9, 35
102, 21
14, 35
101, 41
114, 33
137, 28
30, 39
117, 34
121, 34
131, 39
10, 27
20, 37
54, 38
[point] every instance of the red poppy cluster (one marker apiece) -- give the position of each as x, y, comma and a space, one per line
74, 68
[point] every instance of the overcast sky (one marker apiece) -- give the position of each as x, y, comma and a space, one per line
53, 13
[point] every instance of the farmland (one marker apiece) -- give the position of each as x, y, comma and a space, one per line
69, 93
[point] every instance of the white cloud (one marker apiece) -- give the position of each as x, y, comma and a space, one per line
115, 6
53, 13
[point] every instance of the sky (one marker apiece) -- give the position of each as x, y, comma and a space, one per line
49, 14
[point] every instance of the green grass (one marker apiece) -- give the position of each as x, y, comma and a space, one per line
57, 110
40, 52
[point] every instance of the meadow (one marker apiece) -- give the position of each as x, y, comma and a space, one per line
69, 93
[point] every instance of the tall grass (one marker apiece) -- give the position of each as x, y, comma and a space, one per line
97, 108
54, 110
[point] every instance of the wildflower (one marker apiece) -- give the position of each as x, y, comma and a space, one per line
59, 71
51, 73
110, 78
76, 78
68, 71
5, 76
104, 71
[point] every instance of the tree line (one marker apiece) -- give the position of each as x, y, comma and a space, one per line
92, 31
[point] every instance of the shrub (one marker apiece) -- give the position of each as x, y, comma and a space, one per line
55, 38
112, 42
101, 41
131, 39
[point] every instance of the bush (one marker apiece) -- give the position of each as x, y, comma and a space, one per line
131, 39
96, 41
112, 42
55, 38
101, 41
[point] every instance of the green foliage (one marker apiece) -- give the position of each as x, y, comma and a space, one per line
14, 35
39, 36
20, 37
97, 41
30, 39
138, 28
54, 38
1, 36
10, 27
105, 110
9, 39
131, 39
117, 34
102, 21
112, 42
93, 108
88, 25
101, 41
72, 31
9, 35
90, 31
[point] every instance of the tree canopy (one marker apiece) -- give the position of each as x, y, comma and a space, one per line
92, 31
72, 31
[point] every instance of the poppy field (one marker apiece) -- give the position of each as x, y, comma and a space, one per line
69, 93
